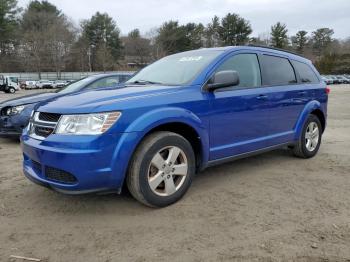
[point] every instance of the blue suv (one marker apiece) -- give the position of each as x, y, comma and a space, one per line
174, 118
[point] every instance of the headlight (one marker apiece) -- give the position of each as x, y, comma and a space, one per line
14, 110
87, 124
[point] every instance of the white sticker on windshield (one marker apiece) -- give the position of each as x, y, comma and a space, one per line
190, 58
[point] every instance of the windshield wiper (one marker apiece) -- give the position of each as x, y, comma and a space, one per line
145, 82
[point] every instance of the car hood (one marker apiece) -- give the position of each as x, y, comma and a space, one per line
30, 99
107, 99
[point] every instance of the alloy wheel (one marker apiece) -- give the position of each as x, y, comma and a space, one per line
312, 136
167, 171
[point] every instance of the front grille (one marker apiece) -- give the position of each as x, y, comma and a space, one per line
42, 125
36, 166
58, 175
49, 117
43, 131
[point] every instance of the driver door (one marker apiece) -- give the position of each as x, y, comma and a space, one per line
239, 122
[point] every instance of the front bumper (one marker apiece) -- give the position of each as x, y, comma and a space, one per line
12, 126
98, 163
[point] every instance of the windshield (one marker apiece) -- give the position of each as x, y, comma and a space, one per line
76, 86
178, 69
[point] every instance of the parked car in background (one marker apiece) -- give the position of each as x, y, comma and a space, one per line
70, 81
174, 118
335, 79
9, 84
29, 84
15, 113
22, 84
343, 80
59, 83
327, 80
44, 84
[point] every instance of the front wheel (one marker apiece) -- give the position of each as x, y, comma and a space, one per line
12, 90
161, 170
310, 140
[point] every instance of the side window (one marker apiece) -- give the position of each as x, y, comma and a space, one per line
124, 78
247, 67
112, 81
104, 82
307, 75
277, 71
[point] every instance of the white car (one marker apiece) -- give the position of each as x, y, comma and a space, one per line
44, 84
29, 84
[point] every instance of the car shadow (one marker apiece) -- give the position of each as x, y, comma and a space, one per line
124, 204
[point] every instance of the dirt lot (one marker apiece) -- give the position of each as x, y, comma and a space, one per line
271, 207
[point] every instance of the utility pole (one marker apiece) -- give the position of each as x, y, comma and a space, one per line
89, 53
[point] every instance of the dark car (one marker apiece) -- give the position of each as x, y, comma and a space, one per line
15, 113
335, 80
174, 118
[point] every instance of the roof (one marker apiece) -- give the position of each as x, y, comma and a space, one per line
290, 54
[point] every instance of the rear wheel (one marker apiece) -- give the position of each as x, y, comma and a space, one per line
310, 140
161, 170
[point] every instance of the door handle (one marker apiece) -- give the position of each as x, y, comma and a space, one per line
262, 97
302, 93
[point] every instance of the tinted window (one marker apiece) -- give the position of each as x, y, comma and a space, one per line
278, 71
307, 75
247, 67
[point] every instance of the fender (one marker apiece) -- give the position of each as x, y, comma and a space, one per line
137, 130
161, 116
309, 107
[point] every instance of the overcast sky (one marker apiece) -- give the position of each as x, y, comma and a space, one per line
147, 14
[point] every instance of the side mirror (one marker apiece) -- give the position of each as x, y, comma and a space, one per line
223, 79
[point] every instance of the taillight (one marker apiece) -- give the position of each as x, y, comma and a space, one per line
327, 90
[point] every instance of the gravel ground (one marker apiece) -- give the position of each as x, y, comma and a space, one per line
271, 207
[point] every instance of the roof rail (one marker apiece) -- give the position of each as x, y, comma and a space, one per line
274, 48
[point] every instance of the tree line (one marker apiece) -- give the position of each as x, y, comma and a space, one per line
41, 38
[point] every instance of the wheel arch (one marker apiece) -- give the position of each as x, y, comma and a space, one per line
313, 107
180, 121
320, 115
186, 131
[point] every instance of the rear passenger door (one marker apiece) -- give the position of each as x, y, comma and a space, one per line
287, 96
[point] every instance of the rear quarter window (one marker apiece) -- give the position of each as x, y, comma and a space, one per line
277, 71
307, 75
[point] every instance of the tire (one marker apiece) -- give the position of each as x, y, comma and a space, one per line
12, 90
308, 145
151, 164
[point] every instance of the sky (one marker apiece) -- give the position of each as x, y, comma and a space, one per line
148, 14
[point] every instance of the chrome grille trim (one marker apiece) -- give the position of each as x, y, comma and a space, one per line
35, 123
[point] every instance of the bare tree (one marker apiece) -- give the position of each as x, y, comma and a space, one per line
136, 48
47, 36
